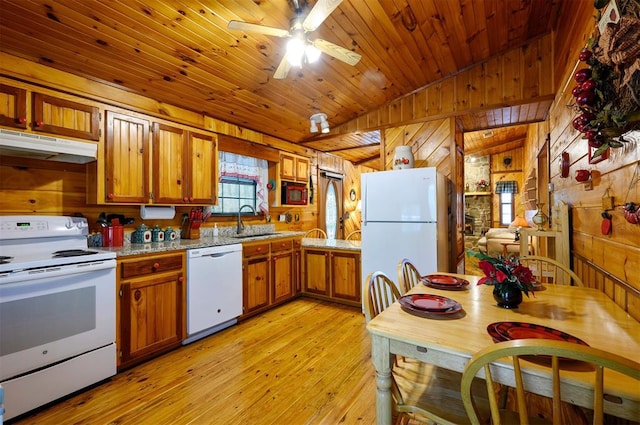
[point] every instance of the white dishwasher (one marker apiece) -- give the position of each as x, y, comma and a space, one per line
214, 289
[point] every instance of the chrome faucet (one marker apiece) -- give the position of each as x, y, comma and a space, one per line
240, 226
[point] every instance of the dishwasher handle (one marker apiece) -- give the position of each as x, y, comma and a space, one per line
219, 254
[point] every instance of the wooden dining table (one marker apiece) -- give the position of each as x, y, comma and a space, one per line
449, 341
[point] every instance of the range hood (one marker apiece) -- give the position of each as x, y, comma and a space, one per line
36, 146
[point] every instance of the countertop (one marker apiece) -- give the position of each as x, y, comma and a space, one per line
206, 241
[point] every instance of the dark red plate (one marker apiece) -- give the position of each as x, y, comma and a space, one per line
507, 331
427, 305
440, 281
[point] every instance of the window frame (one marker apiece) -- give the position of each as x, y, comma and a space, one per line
241, 181
503, 205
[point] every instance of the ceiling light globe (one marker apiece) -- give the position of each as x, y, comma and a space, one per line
313, 53
295, 51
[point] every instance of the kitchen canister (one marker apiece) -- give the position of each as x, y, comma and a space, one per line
169, 234
157, 235
141, 235
402, 158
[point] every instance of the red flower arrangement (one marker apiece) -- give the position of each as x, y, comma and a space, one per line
504, 273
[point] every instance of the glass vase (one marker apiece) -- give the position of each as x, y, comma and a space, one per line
540, 218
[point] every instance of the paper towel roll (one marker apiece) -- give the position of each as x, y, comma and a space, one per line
159, 213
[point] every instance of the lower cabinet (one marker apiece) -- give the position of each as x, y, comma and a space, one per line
332, 274
151, 306
267, 275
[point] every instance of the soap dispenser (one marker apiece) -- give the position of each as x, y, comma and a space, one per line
215, 230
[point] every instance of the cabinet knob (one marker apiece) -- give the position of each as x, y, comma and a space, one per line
39, 123
326, 255
111, 196
156, 266
283, 244
181, 279
258, 249
191, 199
185, 199
22, 120
274, 258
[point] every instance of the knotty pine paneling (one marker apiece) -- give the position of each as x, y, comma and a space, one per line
619, 253
518, 76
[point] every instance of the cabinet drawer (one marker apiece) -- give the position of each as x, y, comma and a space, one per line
255, 249
282, 245
150, 265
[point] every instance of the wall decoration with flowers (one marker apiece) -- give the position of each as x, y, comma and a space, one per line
482, 186
607, 94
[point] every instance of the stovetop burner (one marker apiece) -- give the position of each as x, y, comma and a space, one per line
72, 253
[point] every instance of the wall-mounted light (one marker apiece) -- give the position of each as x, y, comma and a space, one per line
321, 119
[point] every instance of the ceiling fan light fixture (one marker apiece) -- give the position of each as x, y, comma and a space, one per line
295, 51
312, 53
319, 118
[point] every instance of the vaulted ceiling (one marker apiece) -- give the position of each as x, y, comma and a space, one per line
181, 53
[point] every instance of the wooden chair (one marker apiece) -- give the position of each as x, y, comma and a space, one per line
421, 392
408, 275
316, 233
548, 270
555, 350
355, 235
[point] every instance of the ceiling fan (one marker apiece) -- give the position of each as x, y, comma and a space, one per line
300, 48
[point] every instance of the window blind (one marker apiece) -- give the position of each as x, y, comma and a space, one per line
507, 187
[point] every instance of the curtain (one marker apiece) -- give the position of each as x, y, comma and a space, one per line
507, 187
234, 165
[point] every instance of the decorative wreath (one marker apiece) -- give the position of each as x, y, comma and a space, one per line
607, 94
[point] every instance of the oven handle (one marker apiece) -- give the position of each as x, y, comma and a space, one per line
23, 276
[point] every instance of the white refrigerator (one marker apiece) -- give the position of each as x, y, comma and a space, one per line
404, 215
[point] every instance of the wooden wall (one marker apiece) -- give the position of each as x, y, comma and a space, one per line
607, 262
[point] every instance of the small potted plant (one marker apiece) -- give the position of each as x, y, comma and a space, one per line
508, 277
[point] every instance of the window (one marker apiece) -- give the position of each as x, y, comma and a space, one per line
234, 192
243, 181
506, 208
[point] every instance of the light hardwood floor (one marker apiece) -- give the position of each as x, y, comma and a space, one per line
307, 362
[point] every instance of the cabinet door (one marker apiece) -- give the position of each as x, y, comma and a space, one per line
302, 170
203, 167
127, 159
281, 276
297, 266
287, 167
152, 315
13, 107
170, 184
255, 278
65, 118
345, 275
316, 271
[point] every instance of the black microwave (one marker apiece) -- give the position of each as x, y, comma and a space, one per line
294, 193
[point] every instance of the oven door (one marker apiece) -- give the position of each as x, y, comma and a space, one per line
51, 314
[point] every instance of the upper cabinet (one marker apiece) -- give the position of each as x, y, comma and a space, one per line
127, 171
185, 164
46, 113
294, 167
65, 118
169, 165
13, 107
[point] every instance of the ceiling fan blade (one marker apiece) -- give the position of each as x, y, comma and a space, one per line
283, 69
245, 26
337, 52
319, 13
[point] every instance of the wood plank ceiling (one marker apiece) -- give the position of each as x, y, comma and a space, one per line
180, 52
